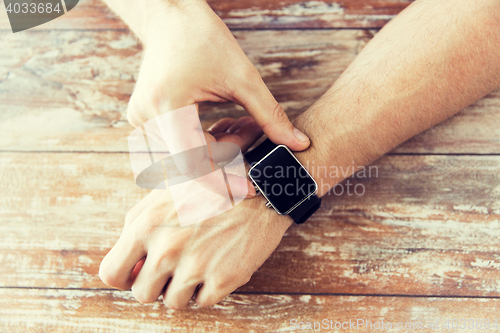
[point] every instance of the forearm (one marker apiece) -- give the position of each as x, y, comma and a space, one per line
431, 61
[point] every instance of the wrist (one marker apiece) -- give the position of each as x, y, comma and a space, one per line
258, 203
335, 153
165, 17
356, 137
281, 222
145, 17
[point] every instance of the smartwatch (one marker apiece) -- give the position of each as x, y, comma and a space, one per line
283, 181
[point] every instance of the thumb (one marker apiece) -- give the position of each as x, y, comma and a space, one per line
270, 116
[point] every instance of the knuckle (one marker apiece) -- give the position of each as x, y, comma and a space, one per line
143, 105
228, 280
142, 296
188, 169
195, 268
203, 303
278, 114
153, 219
154, 213
133, 119
210, 297
245, 280
105, 276
129, 217
229, 90
147, 94
166, 261
109, 278
194, 164
134, 237
174, 303
251, 75
134, 116
224, 120
238, 86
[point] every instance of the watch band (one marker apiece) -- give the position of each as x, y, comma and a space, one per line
303, 211
258, 153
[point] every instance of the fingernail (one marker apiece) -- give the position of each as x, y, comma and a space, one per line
299, 135
251, 191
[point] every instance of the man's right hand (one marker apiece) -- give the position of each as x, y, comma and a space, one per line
190, 57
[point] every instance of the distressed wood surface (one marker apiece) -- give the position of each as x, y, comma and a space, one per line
69, 90
426, 225
115, 311
421, 244
261, 14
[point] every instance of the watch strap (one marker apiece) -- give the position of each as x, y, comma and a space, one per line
304, 211
259, 152
306, 208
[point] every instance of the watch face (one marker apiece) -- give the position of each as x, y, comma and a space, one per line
282, 180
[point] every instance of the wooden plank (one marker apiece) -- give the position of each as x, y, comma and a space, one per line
113, 311
264, 14
261, 14
69, 90
426, 225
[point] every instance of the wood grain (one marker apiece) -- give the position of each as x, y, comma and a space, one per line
421, 244
115, 311
261, 14
69, 89
264, 14
426, 225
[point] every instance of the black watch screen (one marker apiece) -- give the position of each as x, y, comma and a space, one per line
282, 180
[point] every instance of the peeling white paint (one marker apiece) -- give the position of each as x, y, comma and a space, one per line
269, 69
317, 249
471, 208
305, 298
124, 42
85, 260
485, 263
299, 9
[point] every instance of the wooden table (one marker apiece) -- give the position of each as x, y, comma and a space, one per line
421, 245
